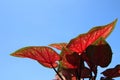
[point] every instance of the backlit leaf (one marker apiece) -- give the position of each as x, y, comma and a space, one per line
80, 43
44, 55
58, 46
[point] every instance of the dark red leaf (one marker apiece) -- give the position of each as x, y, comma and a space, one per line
73, 59
44, 55
70, 74
80, 43
106, 78
85, 73
58, 46
100, 53
64, 62
69, 65
112, 72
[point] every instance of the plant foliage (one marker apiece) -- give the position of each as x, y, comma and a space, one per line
91, 48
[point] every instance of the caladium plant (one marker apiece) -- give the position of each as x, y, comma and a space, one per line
91, 48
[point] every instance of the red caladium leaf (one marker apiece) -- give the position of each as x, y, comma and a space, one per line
80, 43
44, 55
58, 46
112, 72
100, 53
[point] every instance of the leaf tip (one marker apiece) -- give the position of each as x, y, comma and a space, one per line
12, 54
115, 21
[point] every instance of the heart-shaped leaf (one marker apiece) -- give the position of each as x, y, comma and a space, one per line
58, 46
112, 72
80, 43
100, 53
44, 55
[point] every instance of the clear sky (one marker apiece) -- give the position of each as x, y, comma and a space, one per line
42, 22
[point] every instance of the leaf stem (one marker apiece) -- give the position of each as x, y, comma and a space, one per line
79, 70
57, 72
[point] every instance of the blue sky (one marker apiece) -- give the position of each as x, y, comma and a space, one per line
41, 22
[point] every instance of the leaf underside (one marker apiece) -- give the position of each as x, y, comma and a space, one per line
80, 43
58, 46
44, 55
